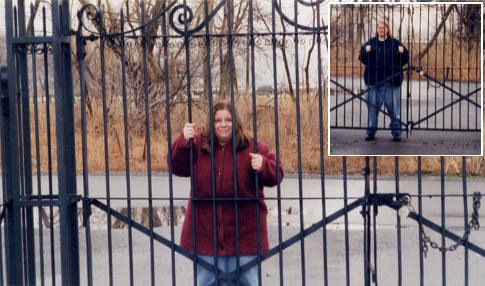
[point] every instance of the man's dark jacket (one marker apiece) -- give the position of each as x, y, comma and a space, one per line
383, 61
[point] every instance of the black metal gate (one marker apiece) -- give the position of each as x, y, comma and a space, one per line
442, 87
89, 114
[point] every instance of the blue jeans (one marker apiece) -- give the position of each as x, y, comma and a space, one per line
391, 97
227, 264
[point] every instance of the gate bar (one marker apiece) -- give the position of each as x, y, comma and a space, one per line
346, 221
465, 213
443, 221
65, 143
10, 148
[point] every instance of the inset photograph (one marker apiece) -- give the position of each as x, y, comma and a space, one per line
405, 79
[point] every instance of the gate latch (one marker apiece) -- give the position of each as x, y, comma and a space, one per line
4, 90
392, 200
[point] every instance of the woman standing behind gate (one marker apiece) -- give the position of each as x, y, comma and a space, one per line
249, 165
383, 57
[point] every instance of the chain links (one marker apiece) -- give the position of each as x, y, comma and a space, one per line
473, 224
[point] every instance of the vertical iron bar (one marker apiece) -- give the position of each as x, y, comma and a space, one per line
65, 143
468, 69
48, 131
469, 48
374, 215
419, 60
346, 222
465, 213
211, 125
298, 136
127, 148
103, 38
169, 143
3, 136
322, 141
478, 73
37, 154
345, 71
10, 148
191, 143
234, 149
278, 174
19, 85
427, 64
255, 136
409, 73
80, 42
337, 26
436, 69
443, 237
26, 155
147, 142
453, 70
420, 212
391, 26
444, 74
398, 222
352, 48
365, 215
49, 146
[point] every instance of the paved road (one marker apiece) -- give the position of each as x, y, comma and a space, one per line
344, 142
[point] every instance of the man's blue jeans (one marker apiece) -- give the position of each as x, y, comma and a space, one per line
391, 97
228, 265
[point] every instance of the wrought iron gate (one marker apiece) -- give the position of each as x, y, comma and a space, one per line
70, 219
442, 87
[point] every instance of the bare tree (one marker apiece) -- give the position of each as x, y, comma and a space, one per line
430, 44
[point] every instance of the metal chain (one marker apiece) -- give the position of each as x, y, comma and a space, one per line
439, 84
473, 224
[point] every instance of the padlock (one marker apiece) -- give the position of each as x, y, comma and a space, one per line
405, 207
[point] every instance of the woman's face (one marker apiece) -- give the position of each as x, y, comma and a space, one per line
223, 126
382, 30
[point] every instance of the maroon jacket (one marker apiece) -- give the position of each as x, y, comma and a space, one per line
224, 188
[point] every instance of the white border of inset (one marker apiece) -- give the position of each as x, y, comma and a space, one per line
404, 3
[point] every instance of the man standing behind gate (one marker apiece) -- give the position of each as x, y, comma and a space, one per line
383, 57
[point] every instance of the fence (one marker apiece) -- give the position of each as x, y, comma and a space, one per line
442, 86
88, 195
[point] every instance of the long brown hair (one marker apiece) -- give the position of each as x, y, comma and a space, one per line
243, 136
389, 33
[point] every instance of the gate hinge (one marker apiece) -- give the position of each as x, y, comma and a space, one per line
4, 90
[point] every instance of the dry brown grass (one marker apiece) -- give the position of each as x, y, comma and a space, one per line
114, 154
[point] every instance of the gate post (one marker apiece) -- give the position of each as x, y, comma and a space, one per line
11, 188
64, 99
10, 160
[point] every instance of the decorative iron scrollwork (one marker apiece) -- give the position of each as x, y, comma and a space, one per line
185, 16
316, 29
37, 48
94, 14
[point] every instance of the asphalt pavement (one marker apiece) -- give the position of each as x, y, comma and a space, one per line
346, 142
